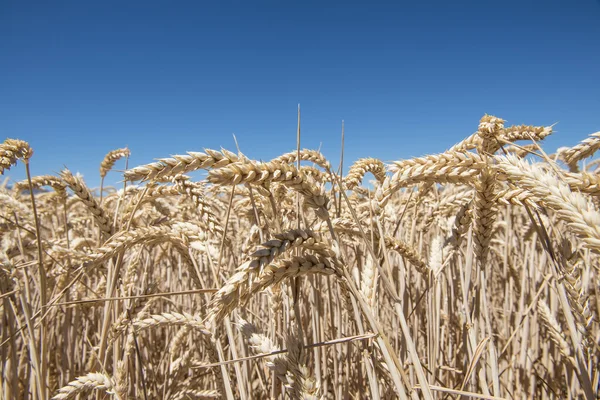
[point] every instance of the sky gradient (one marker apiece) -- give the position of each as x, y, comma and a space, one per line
78, 79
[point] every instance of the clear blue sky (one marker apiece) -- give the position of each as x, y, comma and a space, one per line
80, 78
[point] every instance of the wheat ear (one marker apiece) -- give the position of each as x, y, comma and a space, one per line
408, 252
239, 288
574, 208
11, 150
585, 149
453, 167
305, 155
80, 189
256, 173
111, 158
54, 182
554, 329
165, 168
361, 167
91, 381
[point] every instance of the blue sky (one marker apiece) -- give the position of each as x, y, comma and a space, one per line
80, 78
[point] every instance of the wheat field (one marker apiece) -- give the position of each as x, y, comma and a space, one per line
473, 273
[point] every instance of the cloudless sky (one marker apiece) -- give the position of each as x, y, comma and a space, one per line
80, 78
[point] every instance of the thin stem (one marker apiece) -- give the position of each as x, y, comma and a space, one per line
43, 285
